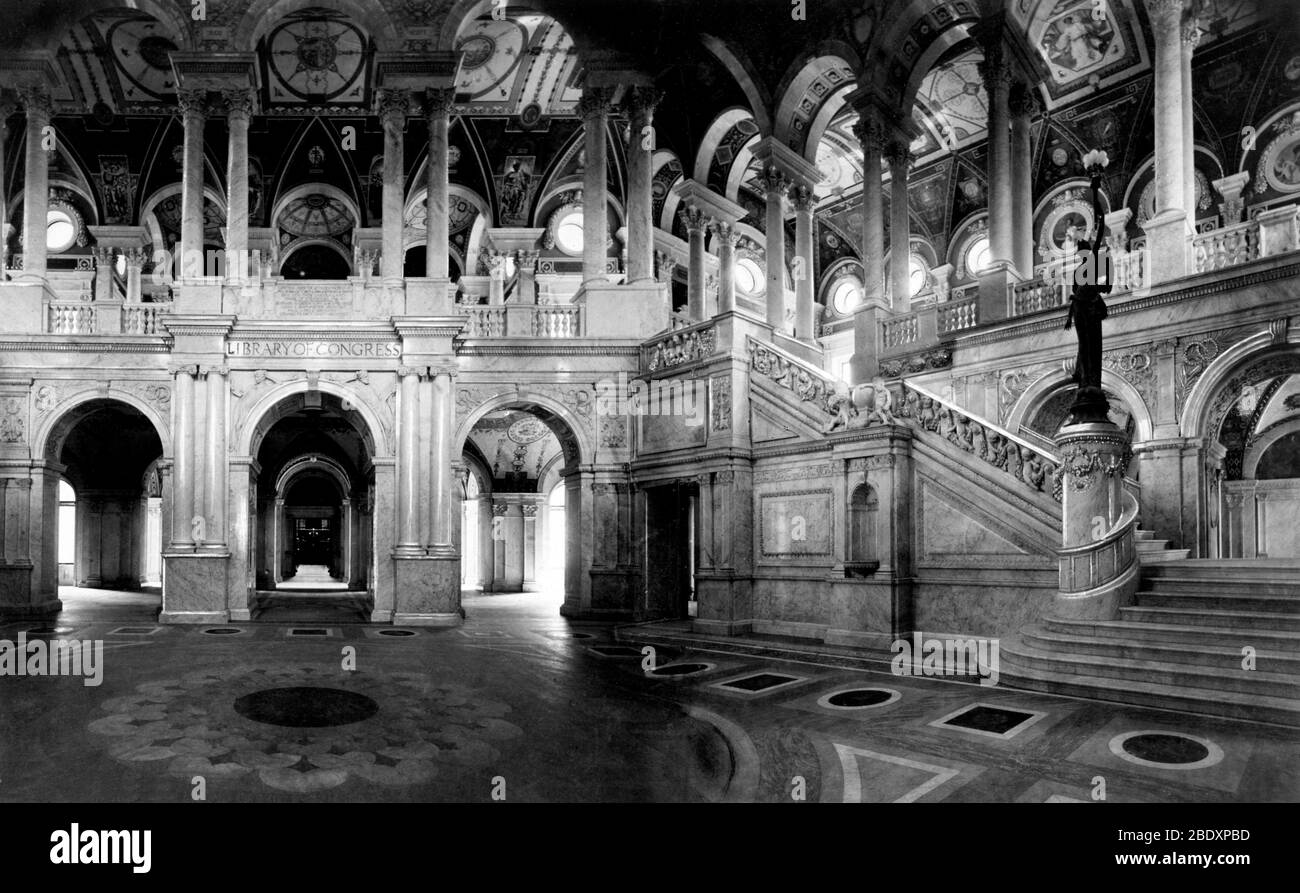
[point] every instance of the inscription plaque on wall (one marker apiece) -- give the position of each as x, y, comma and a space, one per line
796, 524
266, 348
316, 299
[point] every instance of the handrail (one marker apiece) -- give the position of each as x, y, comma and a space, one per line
1032, 465
809, 383
1083, 570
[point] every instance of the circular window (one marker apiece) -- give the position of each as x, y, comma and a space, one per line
977, 256
568, 233
847, 295
749, 278
918, 275
60, 231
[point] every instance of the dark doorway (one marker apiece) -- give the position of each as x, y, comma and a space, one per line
315, 262
671, 560
415, 264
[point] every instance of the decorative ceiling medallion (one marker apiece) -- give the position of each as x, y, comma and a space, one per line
493, 51
1279, 165
527, 430
317, 55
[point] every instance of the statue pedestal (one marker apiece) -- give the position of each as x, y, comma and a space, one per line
1097, 560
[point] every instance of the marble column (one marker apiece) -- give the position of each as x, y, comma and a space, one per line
900, 232
775, 185
239, 108
640, 201
393, 107
7, 108
408, 463
104, 256
135, 258
440, 444
1166, 25
725, 237
183, 467
216, 496
871, 133
696, 223
594, 110
36, 183
803, 199
1189, 36
437, 105
997, 83
1022, 106
193, 105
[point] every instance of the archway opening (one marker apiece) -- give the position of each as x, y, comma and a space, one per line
315, 262
107, 506
1256, 488
314, 491
518, 514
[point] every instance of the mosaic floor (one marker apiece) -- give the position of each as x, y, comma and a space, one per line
521, 703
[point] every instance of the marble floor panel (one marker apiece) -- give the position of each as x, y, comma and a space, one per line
552, 710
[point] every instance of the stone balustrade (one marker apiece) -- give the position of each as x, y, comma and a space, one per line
522, 321
899, 331
70, 318
105, 318
957, 315
1226, 247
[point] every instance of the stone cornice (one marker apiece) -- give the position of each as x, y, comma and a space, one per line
89, 344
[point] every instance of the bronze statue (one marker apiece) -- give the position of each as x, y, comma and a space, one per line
1087, 310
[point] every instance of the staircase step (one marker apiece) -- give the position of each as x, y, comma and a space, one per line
1139, 672
1147, 558
1016, 673
1151, 545
1234, 599
1237, 570
1144, 535
1211, 618
1218, 657
1226, 638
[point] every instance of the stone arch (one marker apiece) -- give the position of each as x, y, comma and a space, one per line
262, 13
312, 462
57, 19
300, 244
50, 431
575, 440
1257, 354
1037, 394
820, 78
258, 419
150, 221
1256, 450
713, 137
747, 78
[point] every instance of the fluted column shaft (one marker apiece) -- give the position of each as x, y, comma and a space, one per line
804, 319
36, 185
696, 223
594, 110
438, 107
640, 202
393, 107
408, 463
6, 109
900, 234
193, 105
239, 109
775, 185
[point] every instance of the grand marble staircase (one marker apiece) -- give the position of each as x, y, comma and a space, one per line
1216, 637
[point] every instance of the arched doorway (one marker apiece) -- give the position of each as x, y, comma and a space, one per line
313, 485
315, 262
104, 496
529, 511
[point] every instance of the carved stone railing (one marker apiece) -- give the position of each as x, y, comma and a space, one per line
1033, 466
680, 345
557, 321
808, 383
485, 322
1106, 567
1035, 295
144, 319
957, 315
70, 318
1227, 247
899, 331
1130, 269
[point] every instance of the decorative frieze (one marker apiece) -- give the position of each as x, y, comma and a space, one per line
720, 403
795, 473
681, 347
12, 421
